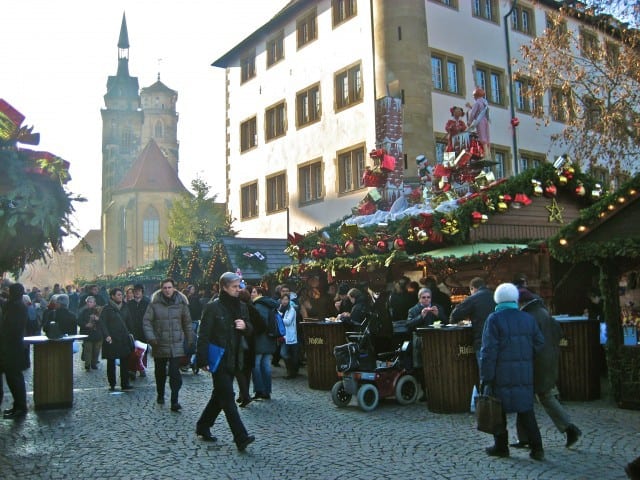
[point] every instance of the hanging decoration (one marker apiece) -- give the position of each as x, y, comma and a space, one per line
555, 212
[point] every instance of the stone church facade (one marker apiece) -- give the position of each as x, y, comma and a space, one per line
140, 152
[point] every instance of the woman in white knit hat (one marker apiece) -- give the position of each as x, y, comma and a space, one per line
509, 341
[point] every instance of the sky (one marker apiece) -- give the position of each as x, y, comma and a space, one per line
57, 55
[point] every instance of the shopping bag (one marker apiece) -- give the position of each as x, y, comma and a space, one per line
474, 399
215, 355
489, 414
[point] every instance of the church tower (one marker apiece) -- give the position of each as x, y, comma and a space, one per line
122, 121
139, 166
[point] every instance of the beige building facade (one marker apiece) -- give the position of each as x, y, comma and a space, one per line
303, 89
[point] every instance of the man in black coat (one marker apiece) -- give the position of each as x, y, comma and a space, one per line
137, 307
224, 322
12, 358
476, 308
545, 370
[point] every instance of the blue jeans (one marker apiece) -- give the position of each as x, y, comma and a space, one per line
262, 374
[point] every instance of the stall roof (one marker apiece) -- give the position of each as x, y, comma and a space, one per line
474, 249
242, 254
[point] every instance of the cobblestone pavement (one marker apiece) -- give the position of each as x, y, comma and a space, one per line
299, 433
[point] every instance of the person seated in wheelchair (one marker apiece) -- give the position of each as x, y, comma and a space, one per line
358, 314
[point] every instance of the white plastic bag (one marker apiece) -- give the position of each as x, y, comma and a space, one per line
474, 399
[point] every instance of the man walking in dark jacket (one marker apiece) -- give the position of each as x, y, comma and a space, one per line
12, 359
545, 370
476, 307
137, 308
225, 321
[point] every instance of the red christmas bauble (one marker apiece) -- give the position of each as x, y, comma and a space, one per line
550, 191
381, 246
399, 244
349, 247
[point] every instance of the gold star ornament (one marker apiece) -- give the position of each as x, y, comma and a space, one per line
555, 212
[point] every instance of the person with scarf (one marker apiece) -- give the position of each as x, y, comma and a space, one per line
116, 343
12, 358
225, 323
510, 340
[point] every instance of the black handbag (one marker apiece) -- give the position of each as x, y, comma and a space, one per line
489, 413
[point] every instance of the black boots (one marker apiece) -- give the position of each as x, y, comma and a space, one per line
573, 435
500, 447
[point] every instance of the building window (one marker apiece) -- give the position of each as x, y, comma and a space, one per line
492, 82
150, 235
277, 192
612, 54
561, 105
526, 101
248, 134
445, 73
308, 106
600, 174
440, 149
589, 43
348, 87
592, 113
447, 3
522, 20
275, 49
275, 121
529, 160
307, 28
311, 182
158, 130
247, 67
343, 10
350, 170
249, 201
486, 9
499, 169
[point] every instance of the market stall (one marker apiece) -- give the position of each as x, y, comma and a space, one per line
607, 236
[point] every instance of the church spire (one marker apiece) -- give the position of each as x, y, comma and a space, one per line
123, 48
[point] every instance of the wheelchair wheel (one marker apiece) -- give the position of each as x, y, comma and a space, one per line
368, 397
339, 395
407, 390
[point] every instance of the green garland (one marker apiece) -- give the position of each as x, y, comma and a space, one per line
564, 247
331, 238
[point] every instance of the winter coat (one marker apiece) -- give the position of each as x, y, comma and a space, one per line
289, 321
218, 327
87, 326
545, 369
13, 320
509, 342
400, 303
477, 308
167, 322
113, 323
265, 344
67, 321
358, 314
416, 320
136, 314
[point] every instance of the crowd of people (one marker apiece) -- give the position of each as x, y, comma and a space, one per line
515, 338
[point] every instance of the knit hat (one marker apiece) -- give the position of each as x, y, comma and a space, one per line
506, 292
26, 299
63, 299
526, 295
343, 289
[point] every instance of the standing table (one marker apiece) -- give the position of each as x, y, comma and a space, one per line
53, 371
450, 368
319, 340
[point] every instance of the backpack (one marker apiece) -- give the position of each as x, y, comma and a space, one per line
275, 324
